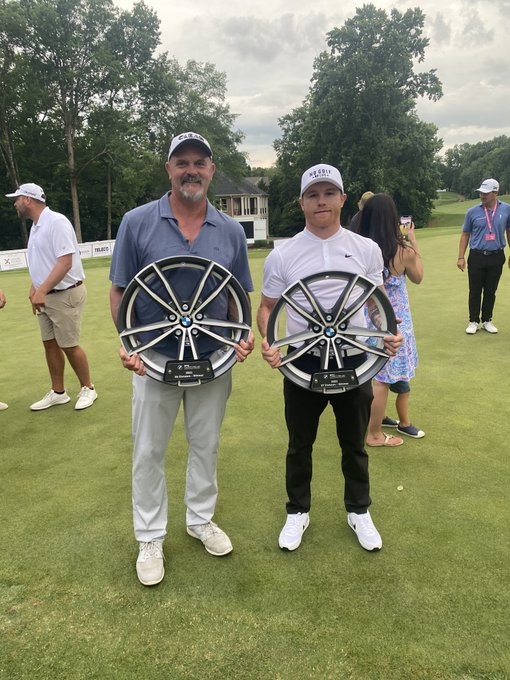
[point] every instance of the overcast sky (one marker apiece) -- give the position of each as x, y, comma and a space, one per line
267, 50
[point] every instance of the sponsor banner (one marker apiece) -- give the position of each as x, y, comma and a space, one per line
102, 248
85, 250
13, 259
17, 259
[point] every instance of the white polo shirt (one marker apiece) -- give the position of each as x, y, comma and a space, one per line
306, 254
52, 237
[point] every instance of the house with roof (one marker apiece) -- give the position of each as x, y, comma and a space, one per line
245, 202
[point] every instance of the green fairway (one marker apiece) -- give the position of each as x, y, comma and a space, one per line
432, 605
450, 209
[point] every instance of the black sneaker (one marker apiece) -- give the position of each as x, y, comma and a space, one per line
410, 431
389, 422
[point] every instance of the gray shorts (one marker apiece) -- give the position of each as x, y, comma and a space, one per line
61, 318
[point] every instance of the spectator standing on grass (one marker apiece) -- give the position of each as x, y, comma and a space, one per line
181, 222
354, 224
380, 221
57, 294
3, 301
484, 229
321, 246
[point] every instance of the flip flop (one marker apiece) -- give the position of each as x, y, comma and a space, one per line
386, 442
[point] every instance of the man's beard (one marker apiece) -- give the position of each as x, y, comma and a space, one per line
192, 197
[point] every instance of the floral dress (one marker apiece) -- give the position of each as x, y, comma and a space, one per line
402, 366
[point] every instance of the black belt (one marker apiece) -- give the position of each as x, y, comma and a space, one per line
59, 290
487, 252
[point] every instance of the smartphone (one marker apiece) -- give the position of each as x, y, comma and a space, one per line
405, 224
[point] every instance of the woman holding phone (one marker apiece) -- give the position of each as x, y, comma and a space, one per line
380, 222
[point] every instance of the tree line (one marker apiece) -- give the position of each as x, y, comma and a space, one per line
466, 165
88, 105
360, 115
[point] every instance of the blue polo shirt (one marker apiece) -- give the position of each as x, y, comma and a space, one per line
475, 223
150, 233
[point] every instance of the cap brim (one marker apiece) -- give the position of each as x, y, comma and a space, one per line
192, 142
326, 180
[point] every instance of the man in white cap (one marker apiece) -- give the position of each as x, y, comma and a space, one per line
323, 245
57, 294
484, 229
181, 222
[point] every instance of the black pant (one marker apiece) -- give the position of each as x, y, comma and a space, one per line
303, 409
484, 272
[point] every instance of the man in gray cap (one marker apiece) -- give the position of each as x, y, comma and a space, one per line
181, 222
57, 294
484, 229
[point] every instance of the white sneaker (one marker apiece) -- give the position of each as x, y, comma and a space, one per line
472, 328
149, 565
50, 399
293, 530
362, 525
489, 327
215, 541
3, 406
86, 398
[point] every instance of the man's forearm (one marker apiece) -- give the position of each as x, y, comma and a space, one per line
262, 319
61, 268
115, 298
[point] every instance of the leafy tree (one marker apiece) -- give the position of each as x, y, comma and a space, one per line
360, 113
23, 102
199, 104
87, 109
466, 165
52, 38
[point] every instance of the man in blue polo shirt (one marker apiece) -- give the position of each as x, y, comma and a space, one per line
181, 222
484, 230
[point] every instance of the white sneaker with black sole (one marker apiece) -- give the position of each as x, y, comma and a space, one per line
362, 525
293, 530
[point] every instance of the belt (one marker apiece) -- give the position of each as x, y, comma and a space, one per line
60, 290
487, 252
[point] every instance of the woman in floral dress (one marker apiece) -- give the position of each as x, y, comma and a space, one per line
380, 222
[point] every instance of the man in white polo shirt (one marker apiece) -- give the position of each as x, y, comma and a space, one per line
323, 245
57, 294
